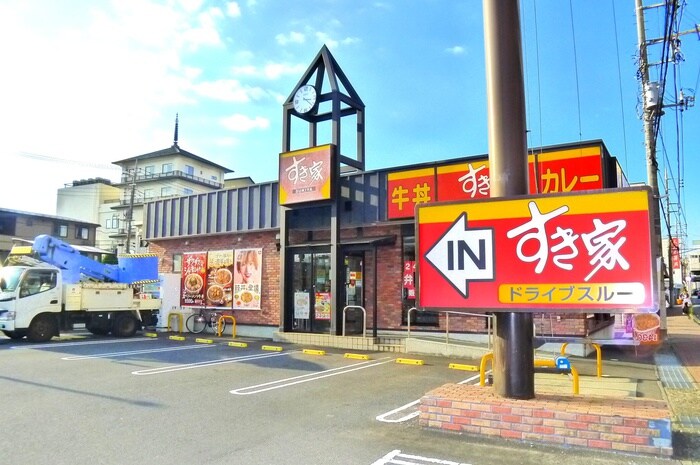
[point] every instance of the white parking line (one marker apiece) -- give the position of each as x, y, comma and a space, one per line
396, 457
134, 352
286, 382
189, 366
82, 343
384, 417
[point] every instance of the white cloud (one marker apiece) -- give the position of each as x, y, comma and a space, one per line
233, 10
229, 90
326, 39
293, 37
243, 123
456, 50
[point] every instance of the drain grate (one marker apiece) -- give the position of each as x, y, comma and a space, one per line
672, 373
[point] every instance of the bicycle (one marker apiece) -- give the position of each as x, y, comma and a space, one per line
205, 319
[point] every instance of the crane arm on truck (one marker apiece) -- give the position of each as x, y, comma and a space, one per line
130, 270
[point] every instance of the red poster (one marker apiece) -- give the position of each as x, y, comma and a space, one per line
406, 189
675, 254
194, 271
409, 276
569, 252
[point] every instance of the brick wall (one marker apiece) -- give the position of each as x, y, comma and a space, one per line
632, 425
270, 291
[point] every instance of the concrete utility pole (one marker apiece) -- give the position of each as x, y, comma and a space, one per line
652, 106
513, 359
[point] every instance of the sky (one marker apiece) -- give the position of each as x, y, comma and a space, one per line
86, 83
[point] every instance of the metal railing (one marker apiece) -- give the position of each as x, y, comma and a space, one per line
364, 318
489, 325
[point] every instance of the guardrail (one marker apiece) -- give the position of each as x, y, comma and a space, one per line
364, 318
489, 325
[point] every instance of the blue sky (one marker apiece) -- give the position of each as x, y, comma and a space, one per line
89, 82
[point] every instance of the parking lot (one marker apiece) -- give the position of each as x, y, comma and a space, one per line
82, 399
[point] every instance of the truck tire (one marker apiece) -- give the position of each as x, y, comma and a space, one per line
42, 328
125, 325
98, 326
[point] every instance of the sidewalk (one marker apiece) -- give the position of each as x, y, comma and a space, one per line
683, 336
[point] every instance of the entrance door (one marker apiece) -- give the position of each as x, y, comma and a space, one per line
354, 291
311, 284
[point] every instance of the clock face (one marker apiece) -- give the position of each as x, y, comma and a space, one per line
305, 99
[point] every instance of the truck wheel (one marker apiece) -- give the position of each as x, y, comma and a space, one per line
98, 326
42, 328
125, 325
15, 334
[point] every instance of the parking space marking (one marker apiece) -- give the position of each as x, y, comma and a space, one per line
396, 457
384, 417
134, 352
286, 382
82, 343
207, 363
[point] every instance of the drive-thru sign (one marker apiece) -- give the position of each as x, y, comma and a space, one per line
569, 252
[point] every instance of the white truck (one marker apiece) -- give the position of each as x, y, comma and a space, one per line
57, 288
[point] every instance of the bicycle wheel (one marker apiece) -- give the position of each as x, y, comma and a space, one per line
213, 324
195, 323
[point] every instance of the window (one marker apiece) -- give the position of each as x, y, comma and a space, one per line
36, 281
214, 177
112, 223
167, 168
189, 170
177, 263
148, 194
82, 232
62, 230
187, 191
166, 191
149, 170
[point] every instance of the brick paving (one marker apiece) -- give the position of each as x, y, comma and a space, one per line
683, 336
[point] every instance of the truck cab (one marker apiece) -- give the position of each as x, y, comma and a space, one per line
30, 297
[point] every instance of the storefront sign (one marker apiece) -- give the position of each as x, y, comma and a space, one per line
558, 171
406, 189
306, 175
675, 254
409, 275
569, 252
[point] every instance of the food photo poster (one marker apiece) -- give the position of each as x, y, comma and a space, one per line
247, 279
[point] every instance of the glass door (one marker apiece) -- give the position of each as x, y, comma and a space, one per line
354, 292
311, 297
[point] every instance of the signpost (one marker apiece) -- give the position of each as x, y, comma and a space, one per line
581, 252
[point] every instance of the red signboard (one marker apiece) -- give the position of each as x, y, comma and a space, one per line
675, 254
571, 252
559, 171
306, 175
406, 189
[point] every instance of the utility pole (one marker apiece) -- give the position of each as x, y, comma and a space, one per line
130, 211
652, 97
652, 107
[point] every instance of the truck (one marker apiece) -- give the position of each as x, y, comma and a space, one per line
54, 287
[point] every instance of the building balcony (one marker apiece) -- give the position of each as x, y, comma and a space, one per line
127, 179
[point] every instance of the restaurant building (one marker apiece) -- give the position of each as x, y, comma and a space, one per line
330, 248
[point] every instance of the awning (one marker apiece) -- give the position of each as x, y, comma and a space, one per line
357, 242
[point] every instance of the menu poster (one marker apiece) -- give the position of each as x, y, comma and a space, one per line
322, 306
194, 269
247, 278
301, 305
219, 278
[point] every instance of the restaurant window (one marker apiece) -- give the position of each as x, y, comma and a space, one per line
408, 286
